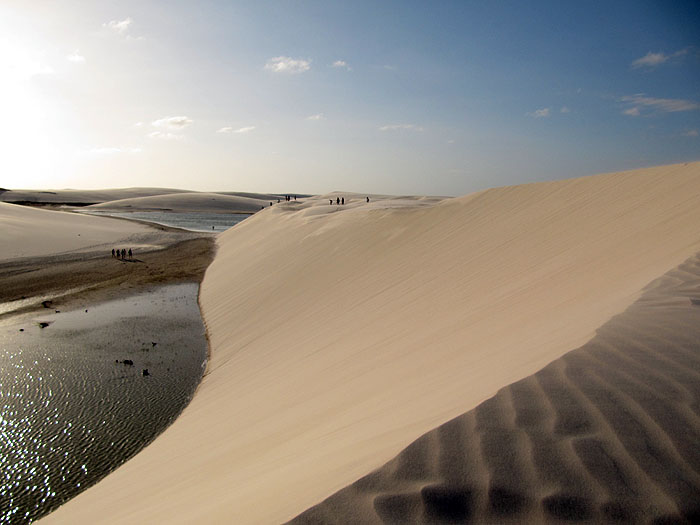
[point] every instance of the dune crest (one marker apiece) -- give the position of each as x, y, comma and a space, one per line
340, 334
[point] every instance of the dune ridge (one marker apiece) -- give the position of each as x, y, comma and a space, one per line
189, 201
607, 433
339, 335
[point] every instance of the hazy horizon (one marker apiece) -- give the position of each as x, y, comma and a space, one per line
396, 97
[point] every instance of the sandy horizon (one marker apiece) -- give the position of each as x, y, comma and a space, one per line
340, 334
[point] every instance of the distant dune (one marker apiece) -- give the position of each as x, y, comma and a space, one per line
201, 202
79, 197
341, 334
29, 232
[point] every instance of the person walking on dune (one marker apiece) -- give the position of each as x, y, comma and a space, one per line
130, 253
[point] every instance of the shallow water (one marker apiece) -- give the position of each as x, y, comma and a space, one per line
70, 413
193, 221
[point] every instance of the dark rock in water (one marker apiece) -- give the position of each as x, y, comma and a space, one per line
46, 304
145, 372
154, 344
86, 310
696, 302
21, 329
128, 362
58, 311
43, 324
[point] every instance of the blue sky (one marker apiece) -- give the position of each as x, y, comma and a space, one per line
395, 97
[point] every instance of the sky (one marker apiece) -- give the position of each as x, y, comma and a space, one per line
398, 97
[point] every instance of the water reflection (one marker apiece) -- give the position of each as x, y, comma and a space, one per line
75, 402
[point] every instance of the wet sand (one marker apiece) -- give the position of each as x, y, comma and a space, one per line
87, 277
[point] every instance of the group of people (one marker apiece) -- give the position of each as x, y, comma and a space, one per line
120, 254
340, 200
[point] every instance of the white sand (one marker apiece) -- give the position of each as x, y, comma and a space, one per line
81, 196
190, 201
340, 334
29, 232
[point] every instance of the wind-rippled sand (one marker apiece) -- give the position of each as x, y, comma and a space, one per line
610, 432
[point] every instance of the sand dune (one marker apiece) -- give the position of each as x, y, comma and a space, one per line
190, 201
607, 433
77, 197
340, 334
28, 232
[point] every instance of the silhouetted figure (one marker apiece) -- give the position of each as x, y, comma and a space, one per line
123, 253
295, 197
112, 252
342, 201
131, 254
367, 199
330, 201
337, 200
270, 203
278, 201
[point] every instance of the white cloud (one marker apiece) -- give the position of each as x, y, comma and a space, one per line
317, 116
172, 122
138, 125
398, 127
667, 105
632, 112
652, 60
564, 109
164, 135
118, 26
691, 133
540, 113
288, 65
229, 129
341, 64
76, 57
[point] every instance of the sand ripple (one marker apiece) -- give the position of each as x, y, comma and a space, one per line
607, 433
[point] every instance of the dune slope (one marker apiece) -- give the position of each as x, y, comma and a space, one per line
28, 232
191, 201
606, 433
341, 334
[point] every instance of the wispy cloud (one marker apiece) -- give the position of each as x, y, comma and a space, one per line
229, 129
691, 133
288, 65
665, 105
564, 109
76, 57
164, 135
399, 127
120, 27
172, 122
651, 60
540, 113
317, 116
341, 64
